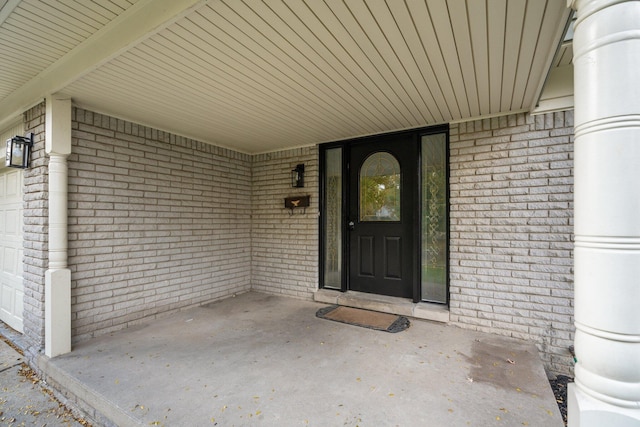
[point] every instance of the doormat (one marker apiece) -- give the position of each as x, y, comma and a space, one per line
365, 318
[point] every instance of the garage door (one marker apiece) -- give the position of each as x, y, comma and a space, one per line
11, 251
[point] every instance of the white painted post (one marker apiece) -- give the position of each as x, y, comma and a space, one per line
607, 214
58, 276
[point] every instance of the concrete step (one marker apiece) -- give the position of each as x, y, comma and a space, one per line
385, 304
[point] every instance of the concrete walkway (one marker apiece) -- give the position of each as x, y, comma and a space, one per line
268, 361
23, 400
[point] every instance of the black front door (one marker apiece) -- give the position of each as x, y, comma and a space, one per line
381, 214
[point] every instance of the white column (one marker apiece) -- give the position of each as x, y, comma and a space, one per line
607, 214
58, 276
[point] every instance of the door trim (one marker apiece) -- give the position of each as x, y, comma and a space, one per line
344, 247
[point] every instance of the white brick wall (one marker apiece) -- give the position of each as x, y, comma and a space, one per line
512, 230
35, 237
284, 246
157, 223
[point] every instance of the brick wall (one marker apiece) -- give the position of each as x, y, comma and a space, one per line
512, 229
35, 233
284, 247
157, 223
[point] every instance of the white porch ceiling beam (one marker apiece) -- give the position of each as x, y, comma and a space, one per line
139, 22
558, 36
6, 10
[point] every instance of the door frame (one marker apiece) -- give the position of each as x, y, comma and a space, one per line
416, 256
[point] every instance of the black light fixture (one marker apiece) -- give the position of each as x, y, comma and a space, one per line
19, 151
297, 176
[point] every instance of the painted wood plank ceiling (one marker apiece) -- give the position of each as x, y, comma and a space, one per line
259, 76
36, 33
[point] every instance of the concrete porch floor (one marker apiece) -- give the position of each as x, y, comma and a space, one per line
258, 359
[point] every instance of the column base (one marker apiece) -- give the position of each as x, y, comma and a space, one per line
586, 411
57, 312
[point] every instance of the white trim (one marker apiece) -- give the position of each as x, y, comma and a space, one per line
488, 116
12, 126
557, 41
7, 9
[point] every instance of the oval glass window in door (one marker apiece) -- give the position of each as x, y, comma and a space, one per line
380, 188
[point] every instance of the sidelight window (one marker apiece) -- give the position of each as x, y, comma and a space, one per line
434, 219
332, 239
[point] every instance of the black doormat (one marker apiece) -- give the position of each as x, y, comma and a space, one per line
365, 318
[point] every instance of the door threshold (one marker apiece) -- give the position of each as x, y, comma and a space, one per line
384, 304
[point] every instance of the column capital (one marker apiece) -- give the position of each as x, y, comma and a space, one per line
587, 8
58, 125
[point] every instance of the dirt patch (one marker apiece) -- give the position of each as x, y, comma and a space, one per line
559, 387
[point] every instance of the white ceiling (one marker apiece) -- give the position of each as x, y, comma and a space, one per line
260, 76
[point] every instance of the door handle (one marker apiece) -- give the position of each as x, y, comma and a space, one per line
352, 225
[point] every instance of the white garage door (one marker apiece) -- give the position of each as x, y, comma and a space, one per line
11, 251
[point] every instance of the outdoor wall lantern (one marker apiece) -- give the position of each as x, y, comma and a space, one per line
19, 151
297, 176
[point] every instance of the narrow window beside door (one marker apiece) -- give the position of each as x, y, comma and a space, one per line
434, 218
332, 238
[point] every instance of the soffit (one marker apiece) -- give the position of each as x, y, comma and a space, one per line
262, 76
36, 33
